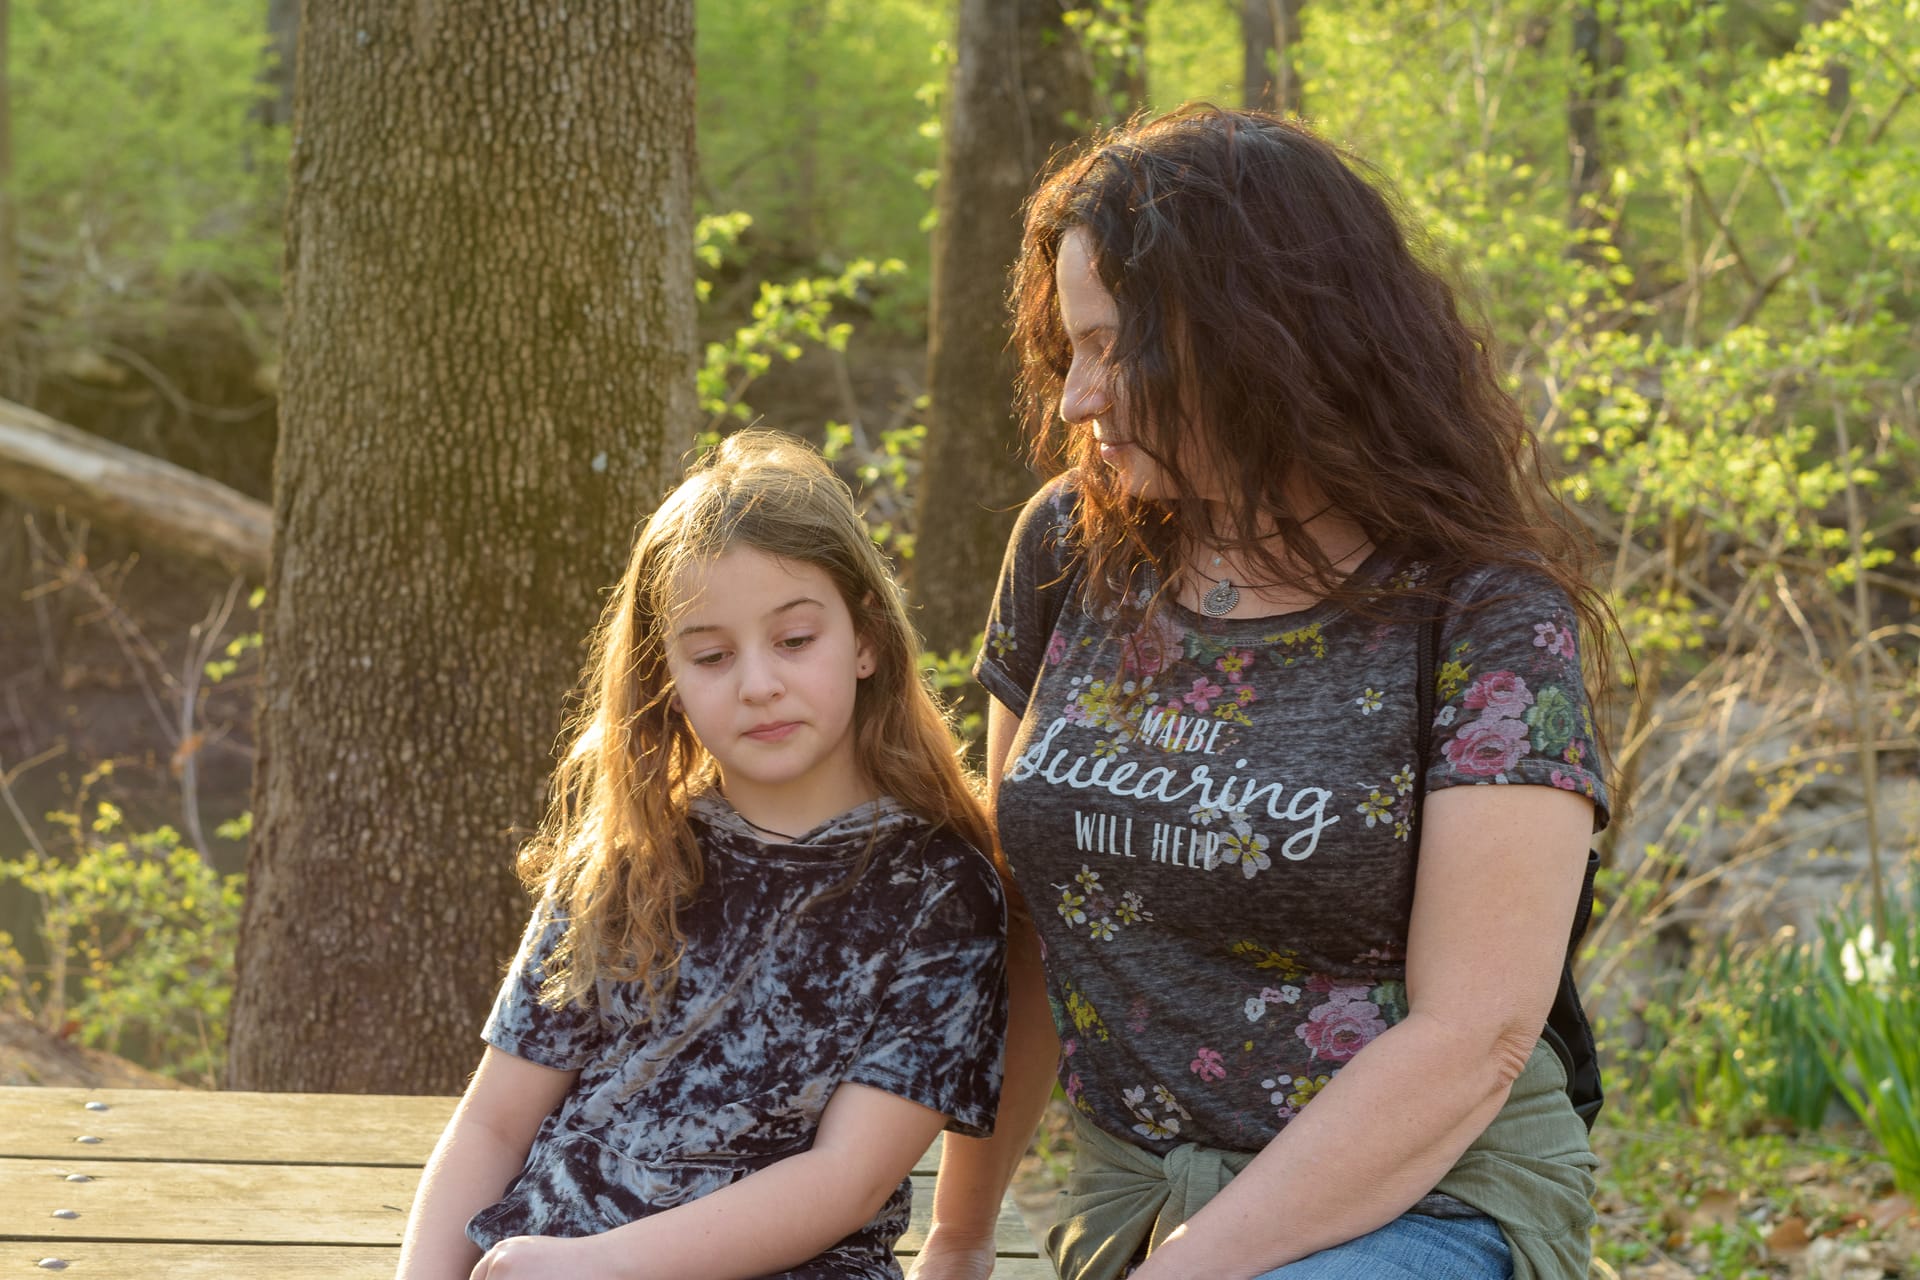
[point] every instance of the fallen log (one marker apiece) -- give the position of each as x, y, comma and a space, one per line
51, 464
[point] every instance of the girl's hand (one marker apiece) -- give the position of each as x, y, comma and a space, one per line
545, 1258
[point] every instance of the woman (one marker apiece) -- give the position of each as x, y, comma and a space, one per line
1286, 464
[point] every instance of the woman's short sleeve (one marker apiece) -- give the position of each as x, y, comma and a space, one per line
1035, 581
564, 1038
1511, 704
941, 1025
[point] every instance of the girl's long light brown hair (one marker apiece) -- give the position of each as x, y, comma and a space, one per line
616, 854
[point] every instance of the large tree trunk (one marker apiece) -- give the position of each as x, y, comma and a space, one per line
1016, 77
1269, 29
489, 366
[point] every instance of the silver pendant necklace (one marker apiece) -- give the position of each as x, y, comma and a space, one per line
1221, 600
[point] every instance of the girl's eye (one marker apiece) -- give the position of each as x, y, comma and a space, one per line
711, 659
796, 642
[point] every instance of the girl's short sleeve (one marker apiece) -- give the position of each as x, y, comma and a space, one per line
1510, 702
941, 1025
564, 1038
1034, 583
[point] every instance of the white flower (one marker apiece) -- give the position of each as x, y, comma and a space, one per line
1862, 961
1368, 701
1448, 714
1102, 929
1256, 1008
1203, 813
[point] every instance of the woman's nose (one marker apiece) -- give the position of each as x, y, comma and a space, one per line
1082, 398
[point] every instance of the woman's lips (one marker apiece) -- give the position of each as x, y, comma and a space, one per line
772, 732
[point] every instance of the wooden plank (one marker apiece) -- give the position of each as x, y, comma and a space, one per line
250, 1128
200, 1262
239, 1128
223, 1203
270, 1204
228, 1262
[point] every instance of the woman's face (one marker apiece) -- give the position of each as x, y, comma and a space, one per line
1090, 316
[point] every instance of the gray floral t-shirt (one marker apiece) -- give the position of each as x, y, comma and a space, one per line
1210, 819
793, 982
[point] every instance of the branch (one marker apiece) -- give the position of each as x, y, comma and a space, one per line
54, 465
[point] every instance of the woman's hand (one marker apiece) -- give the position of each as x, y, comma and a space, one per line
547, 1258
946, 1255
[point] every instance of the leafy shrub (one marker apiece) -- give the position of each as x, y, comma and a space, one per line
139, 936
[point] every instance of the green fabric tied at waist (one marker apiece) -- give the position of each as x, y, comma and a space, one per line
1531, 1172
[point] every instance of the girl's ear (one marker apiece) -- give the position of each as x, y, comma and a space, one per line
864, 662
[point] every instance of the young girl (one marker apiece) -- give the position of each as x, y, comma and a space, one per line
766, 964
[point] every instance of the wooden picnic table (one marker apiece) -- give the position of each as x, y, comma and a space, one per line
152, 1184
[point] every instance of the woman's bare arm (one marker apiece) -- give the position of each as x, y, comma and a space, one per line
1500, 871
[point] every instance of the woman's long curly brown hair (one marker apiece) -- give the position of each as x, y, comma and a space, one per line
1275, 324
616, 854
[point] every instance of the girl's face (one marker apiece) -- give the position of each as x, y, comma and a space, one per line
766, 663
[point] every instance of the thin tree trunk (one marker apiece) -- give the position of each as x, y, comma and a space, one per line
1016, 76
1133, 66
1597, 53
1269, 29
489, 364
283, 41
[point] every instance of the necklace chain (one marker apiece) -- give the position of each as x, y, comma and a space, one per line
1224, 596
790, 839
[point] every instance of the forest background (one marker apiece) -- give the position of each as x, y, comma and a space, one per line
1694, 229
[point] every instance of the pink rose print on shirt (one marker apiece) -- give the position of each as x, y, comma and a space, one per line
1487, 746
1338, 1031
1056, 649
1151, 649
1554, 639
1499, 695
1335, 991
1202, 695
1208, 1064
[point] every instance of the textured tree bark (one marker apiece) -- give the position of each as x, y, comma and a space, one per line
488, 368
1018, 73
51, 464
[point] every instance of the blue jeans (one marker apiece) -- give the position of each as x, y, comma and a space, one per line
1411, 1247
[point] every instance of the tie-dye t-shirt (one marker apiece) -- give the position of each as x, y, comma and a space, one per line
1210, 820
793, 982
